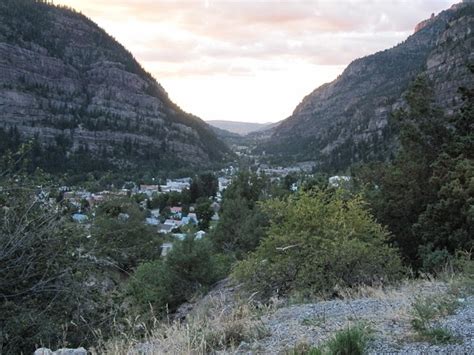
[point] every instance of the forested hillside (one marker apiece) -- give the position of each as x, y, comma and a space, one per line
85, 101
349, 120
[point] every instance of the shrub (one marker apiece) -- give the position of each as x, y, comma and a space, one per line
438, 335
164, 284
350, 341
43, 274
126, 241
427, 310
317, 242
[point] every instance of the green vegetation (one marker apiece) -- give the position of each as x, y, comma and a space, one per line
122, 237
242, 222
349, 341
38, 26
318, 241
189, 268
427, 310
46, 279
425, 195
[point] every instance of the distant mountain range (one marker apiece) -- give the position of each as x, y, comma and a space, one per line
347, 121
85, 100
242, 128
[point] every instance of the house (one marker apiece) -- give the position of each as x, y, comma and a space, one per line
80, 218
215, 206
172, 222
215, 217
199, 235
166, 248
223, 183
152, 221
187, 220
165, 228
193, 217
155, 213
177, 185
149, 190
176, 211
184, 221
339, 181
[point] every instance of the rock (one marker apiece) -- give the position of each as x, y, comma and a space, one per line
346, 121
91, 89
63, 351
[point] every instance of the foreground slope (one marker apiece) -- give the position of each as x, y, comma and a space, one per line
83, 96
347, 120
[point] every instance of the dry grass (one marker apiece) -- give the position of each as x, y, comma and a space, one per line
221, 322
214, 325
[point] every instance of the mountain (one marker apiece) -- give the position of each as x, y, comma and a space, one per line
85, 101
347, 121
241, 128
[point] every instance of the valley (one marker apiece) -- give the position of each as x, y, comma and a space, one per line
130, 226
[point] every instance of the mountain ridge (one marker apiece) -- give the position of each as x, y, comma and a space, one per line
62, 76
241, 128
347, 121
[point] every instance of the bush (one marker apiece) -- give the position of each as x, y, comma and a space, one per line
426, 310
319, 241
43, 272
350, 341
122, 236
164, 284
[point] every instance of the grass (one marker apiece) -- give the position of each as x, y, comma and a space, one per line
352, 340
317, 321
427, 310
211, 327
438, 335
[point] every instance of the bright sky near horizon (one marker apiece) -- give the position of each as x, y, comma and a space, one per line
252, 61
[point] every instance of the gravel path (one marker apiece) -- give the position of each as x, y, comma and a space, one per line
387, 314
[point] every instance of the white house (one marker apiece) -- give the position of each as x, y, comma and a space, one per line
155, 212
339, 181
166, 248
165, 228
199, 235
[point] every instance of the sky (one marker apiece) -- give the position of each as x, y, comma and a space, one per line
252, 61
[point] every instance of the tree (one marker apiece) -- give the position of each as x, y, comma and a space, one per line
204, 212
164, 284
242, 223
43, 273
204, 185
121, 234
425, 195
447, 223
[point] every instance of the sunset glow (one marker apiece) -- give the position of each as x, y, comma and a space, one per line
252, 60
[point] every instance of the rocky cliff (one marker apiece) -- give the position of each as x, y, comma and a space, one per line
72, 87
346, 121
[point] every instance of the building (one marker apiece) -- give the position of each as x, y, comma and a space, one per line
166, 248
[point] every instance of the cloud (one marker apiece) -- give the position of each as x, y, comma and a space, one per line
185, 40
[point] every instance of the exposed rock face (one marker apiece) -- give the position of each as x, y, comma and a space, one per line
424, 23
346, 121
60, 74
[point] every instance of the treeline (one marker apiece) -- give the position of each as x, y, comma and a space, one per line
425, 196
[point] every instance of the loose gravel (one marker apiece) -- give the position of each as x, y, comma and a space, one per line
387, 314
